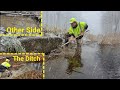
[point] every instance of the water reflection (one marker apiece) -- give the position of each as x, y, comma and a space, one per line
110, 60
75, 60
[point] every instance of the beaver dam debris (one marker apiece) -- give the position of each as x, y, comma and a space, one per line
30, 75
24, 72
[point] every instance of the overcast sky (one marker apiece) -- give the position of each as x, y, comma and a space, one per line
93, 18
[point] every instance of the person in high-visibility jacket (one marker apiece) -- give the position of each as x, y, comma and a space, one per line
4, 66
76, 30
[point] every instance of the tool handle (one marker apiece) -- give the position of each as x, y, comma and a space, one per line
76, 37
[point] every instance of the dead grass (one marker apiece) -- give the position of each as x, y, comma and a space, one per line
110, 39
107, 39
91, 37
56, 31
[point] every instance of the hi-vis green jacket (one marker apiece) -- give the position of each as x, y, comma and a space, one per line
77, 31
6, 64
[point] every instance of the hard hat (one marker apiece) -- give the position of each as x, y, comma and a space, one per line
7, 60
73, 20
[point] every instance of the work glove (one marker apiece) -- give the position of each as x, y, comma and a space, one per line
72, 39
79, 37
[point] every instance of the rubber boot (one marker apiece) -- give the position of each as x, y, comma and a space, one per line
0, 74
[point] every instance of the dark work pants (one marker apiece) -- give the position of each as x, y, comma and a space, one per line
2, 68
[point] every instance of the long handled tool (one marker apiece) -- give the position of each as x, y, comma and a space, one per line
69, 41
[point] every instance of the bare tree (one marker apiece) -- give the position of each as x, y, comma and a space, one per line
111, 27
111, 21
58, 20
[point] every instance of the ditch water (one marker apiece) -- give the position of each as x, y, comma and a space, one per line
91, 61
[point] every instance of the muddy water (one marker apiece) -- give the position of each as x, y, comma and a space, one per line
91, 61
